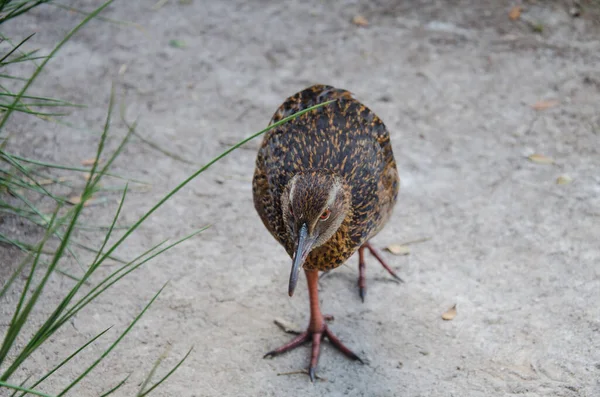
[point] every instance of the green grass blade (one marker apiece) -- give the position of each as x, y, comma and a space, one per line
45, 225
110, 229
104, 285
153, 145
8, 158
32, 271
15, 274
7, 76
79, 11
23, 109
19, 388
108, 278
146, 381
22, 384
64, 167
56, 102
66, 360
18, 319
15, 48
164, 378
111, 347
114, 389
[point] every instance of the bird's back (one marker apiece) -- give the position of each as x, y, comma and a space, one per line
345, 137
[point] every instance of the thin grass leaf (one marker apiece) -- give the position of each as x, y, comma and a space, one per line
107, 351
121, 383
7, 76
54, 101
94, 250
45, 225
30, 250
18, 319
153, 145
23, 246
151, 373
16, 47
22, 384
67, 275
166, 152
6, 156
110, 229
105, 284
28, 58
50, 56
23, 108
22, 57
164, 378
15, 274
64, 167
79, 11
19, 388
66, 360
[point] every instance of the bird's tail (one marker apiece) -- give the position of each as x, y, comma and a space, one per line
308, 97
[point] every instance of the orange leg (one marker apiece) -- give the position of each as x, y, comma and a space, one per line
362, 267
316, 331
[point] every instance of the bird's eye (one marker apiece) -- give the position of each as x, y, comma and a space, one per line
325, 215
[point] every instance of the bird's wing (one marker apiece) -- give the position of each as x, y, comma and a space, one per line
267, 198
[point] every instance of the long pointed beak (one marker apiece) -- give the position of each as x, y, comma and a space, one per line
304, 246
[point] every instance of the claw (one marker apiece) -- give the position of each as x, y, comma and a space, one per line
395, 276
316, 338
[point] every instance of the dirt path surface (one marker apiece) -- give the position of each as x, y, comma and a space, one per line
455, 84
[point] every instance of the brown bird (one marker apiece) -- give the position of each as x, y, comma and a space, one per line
325, 183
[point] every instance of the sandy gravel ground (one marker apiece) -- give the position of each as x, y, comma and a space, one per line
455, 82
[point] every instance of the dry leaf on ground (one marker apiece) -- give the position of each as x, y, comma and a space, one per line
89, 162
540, 159
543, 105
74, 200
398, 249
450, 314
515, 12
287, 326
359, 20
564, 180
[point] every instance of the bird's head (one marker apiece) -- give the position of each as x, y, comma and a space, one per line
314, 205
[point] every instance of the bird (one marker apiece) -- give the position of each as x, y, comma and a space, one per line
325, 183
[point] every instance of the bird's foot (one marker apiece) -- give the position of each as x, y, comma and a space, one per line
316, 337
362, 280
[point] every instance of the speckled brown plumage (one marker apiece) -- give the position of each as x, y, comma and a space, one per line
344, 137
325, 183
